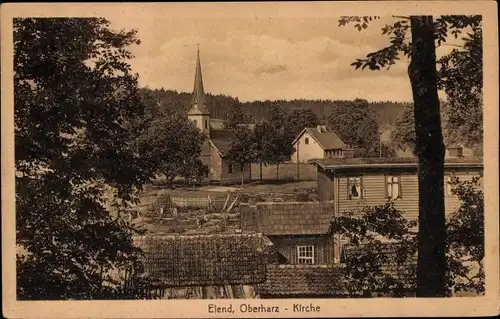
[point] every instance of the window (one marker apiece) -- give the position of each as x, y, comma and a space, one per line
393, 187
206, 124
448, 186
305, 254
306, 141
230, 168
354, 188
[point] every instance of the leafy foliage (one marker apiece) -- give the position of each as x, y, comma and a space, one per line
242, 149
356, 125
173, 144
74, 102
460, 75
298, 119
465, 231
372, 228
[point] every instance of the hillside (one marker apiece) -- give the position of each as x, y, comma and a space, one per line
220, 105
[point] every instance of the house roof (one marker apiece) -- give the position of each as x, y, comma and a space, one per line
221, 139
392, 252
287, 218
303, 280
374, 162
327, 138
202, 260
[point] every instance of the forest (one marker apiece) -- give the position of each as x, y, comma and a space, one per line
221, 105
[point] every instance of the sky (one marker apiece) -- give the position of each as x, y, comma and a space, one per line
261, 53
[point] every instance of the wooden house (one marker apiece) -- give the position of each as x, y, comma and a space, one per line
218, 142
353, 183
215, 266
299, 230
318, 142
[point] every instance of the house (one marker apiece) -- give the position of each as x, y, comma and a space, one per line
318, 142
218, 142
204, 266
298, 230
353, 183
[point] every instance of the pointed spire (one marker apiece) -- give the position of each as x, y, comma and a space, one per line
198, 99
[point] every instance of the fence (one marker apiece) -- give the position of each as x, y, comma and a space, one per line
200, 202
287, 171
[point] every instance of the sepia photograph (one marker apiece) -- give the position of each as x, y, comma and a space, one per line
183, 152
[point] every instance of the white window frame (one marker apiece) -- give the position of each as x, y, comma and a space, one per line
448, 186
391, 180
303, 253
357, 180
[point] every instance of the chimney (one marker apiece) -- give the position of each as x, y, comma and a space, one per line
348, 152
321, 128
455, 151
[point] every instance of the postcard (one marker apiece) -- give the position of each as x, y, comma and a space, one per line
250, 159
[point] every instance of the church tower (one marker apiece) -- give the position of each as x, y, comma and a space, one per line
198, 112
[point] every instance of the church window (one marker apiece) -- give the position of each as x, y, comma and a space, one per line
206, 124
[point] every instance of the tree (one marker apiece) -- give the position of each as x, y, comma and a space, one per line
465, 238
356, 125
242, 149
173, 144
74, 100
298, 119
237, 115
263, 136
460, 75
403, 134
372, 228
429, 139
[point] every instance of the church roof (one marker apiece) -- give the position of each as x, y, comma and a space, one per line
198, 100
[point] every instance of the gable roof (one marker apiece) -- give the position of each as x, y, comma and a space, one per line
202, 260
287, 218
221, 139
327, 139
283, 280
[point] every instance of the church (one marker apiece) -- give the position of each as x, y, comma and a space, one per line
218, 141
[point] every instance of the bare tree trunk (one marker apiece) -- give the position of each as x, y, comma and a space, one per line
430, 152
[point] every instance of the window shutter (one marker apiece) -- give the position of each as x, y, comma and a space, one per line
400, 187
386, 186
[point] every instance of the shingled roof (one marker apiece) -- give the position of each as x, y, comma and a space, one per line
327, 138
221, 138
202, 260
287, 218
312, 280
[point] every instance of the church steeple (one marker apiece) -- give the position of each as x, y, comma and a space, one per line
198, 112
198, 100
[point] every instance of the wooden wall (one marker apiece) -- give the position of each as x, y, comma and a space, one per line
375, 193
287, 246
325, 185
